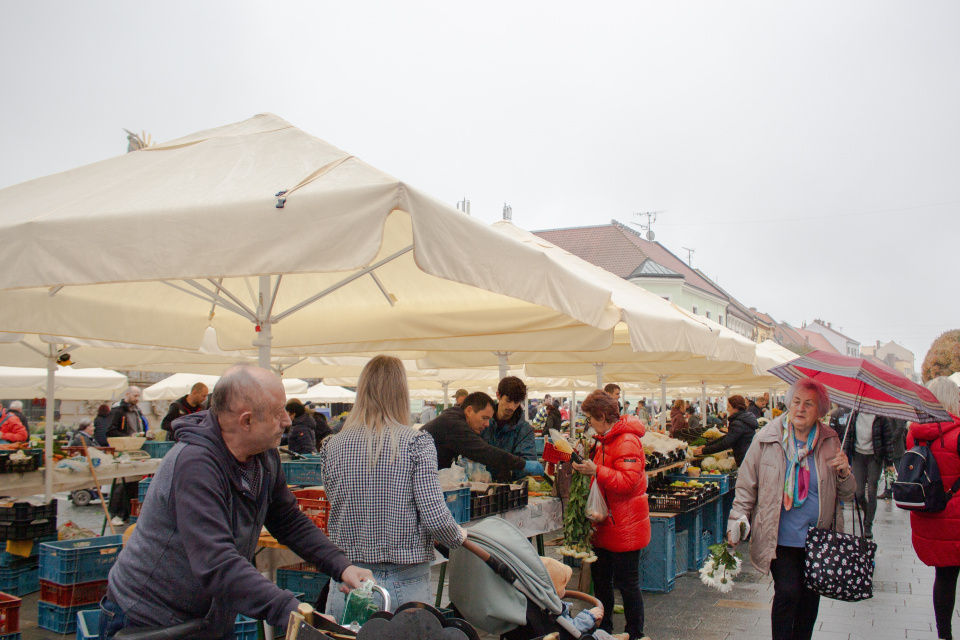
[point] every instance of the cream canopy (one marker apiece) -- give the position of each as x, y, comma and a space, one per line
179, 384
324, 393
71, 384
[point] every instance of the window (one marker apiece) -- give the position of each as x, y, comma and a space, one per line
720, 320
708, 315
694, 309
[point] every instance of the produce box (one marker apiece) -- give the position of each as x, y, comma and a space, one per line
723, 481
142, 489
32, 462
88, 626
658, 565
21, 580
78, 561
306, 472
73, 594
458, 501
304, 578
9, 613
540, 444
314, 503
158, 449
680, 549
25, 512
61, 619
515, 498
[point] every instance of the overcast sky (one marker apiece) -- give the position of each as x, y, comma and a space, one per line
809, 152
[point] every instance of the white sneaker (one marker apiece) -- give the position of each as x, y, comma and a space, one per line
117, 521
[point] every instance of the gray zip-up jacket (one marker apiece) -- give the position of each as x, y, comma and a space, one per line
760, 488
191, 554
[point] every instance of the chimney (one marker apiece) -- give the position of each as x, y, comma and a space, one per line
507, 212
829, 325
878, 344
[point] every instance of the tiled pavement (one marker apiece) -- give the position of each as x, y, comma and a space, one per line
901, 607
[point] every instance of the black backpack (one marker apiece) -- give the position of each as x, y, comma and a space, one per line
918, 486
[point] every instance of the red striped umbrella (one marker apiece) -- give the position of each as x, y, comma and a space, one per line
866, 386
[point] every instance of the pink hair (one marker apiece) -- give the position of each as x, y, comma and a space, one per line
809, 384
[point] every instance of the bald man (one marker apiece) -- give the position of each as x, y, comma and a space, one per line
191, 554
124, 420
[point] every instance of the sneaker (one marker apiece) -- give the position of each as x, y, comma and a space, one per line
117, 521
884, 496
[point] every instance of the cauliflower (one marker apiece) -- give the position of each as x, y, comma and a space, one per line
708, 463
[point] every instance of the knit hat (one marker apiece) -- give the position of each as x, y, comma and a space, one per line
559, 574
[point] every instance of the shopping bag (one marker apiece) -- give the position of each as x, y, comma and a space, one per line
839, 565
596, 510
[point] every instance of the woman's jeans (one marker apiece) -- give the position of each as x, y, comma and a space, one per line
404, 582
866, 469
795, 606
620, 569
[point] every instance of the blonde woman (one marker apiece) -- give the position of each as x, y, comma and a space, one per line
380, 475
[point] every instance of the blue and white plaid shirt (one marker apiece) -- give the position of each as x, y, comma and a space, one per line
392, 512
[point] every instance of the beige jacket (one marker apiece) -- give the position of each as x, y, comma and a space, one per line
759, 494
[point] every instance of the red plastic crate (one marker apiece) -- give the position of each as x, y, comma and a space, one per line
551, 454
134, 508
9, 613
314, 503
71, 595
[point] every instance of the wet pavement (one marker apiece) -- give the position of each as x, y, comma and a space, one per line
902, 605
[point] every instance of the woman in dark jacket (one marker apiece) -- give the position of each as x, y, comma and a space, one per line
302, 439
936, 535
100, 424
322, 429
741, 426
553, 419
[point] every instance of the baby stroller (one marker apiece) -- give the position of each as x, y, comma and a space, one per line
509, 592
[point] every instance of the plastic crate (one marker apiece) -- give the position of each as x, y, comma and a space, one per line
570, 561
28, 530
61, 619
142, 489
24, 512
9, 613
515, 498
483, 504
73, 594
458, 501
10, 636
157, 448
306, 472
672, 503
551, 454
304, 578
11, 560
33, 461
540, 444
658, 565
314, 503
706, 539
135, 508
245, 628
680, 549
88, 624
77, 561
691, 522
20, 581
722, 481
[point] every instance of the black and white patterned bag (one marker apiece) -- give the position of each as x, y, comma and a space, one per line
840, 565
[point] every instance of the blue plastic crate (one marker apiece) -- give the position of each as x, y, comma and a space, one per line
61, 619
303, 472
20, 581
692, 521
680, 549
722, 480
156, 448
711, 512
658, 565
10, 636
142, 489
88, 624
303, 578
11, 560
76, 561
727, 504
540, 443
245, 628
458, 501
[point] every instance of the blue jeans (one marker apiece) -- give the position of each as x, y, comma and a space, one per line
112, 619
404, 582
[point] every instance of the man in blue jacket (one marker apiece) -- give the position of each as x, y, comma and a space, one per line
509, 431
190, 556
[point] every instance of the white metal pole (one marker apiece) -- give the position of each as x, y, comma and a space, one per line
502, 361
48, 428
265, 334
446, 394
726, 397
703, 402
663, 402
573, 410
599, 367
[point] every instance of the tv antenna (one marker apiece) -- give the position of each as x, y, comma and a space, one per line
651, 218
689, 255
464, 205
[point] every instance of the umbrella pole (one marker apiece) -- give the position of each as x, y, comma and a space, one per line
48, 429
599, 367
663, 402
502, 362
703, 401
446, 395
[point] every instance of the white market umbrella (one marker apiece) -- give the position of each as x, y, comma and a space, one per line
70, 384
955, 377
179, 384
325, 393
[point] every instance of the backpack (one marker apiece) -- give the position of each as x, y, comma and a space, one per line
918, 486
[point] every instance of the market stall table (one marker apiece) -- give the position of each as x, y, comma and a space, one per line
17, 485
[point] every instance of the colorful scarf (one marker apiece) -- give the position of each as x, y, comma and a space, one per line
796, 484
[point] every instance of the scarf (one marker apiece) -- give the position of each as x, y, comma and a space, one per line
796, 483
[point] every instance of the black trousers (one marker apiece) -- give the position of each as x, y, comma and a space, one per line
794, 606
620, 569
123, 493
944, 597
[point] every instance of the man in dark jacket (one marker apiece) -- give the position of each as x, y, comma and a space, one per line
192, 555
509, 431
190, 403
125, 420
869, 445
456, 432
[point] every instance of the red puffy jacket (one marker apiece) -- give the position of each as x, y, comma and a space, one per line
623, 483
936, 536
11, 429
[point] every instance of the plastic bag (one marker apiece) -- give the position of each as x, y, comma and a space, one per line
452, 477
596, 509
359, 606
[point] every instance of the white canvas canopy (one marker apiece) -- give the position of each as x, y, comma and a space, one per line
324, 393
71, 384
179, 384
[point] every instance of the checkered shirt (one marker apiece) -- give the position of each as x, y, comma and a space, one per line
392, 512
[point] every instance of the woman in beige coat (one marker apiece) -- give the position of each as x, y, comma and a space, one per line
791, 479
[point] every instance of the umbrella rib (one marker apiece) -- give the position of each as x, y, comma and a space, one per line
341, 284
221, 289
223, 303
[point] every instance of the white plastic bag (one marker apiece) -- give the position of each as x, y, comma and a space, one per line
596, 510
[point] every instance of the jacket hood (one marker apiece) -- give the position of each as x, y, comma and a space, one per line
933, 430
746, 418
626, 424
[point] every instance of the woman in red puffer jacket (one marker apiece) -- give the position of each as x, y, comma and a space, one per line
11, 429
936, 536
618, 465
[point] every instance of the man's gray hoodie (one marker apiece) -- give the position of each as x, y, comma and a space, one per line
191, 554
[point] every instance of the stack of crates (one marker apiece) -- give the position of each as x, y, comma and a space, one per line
302, 578
24, 525
73, 578
9, 617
